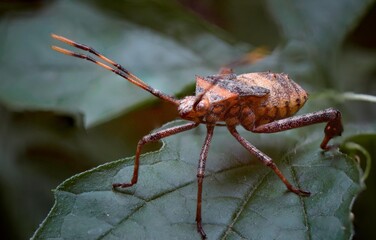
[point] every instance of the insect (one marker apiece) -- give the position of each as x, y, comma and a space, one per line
261, 102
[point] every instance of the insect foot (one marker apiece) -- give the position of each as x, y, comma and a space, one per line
289, 186
200, 230
333, 128
300, 192
121, 185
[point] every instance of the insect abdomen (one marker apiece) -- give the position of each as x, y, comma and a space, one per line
284, 100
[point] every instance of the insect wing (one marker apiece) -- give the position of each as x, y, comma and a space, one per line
222, 87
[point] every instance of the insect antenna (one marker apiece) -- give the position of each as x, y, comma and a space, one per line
117, 68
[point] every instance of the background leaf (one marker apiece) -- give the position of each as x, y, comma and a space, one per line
167, 58
46, 98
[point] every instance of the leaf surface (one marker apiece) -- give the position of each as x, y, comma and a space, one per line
242, 198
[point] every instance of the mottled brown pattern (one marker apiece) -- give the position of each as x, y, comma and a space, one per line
270, 96
284, 99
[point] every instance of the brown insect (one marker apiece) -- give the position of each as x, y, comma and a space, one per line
261, 102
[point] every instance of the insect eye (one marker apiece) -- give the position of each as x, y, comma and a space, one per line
202, 106
199, 106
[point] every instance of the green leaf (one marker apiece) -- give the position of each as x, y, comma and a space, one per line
314, 31
242, 197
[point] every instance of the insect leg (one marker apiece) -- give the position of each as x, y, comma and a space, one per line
267, 161
331, 116
152, 137
117, 68
200, 177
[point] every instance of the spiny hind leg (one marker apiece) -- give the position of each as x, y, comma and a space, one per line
332, 129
